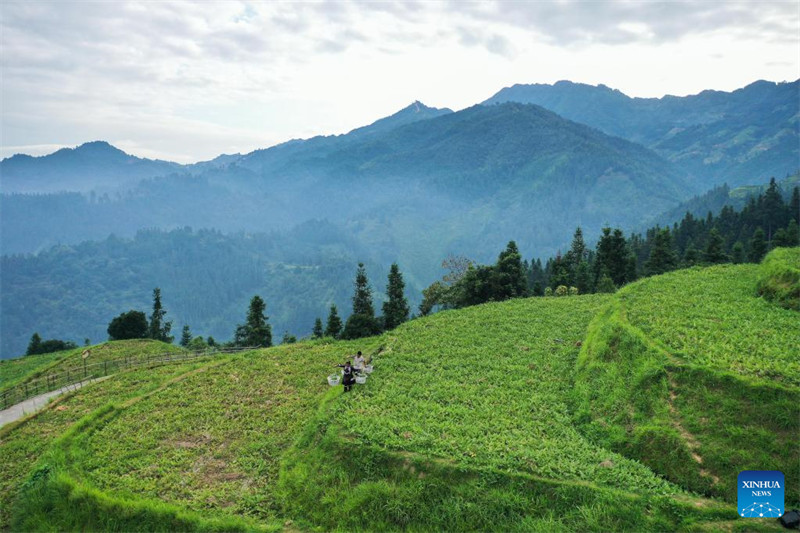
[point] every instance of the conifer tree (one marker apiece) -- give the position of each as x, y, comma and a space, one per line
662, 256
158, 328
288, 338
34, 346
317, 332
257, 331
583, 278
362, 322
758, 246
395, 309
186, 336
362, 299
334, 326
715, 248
509, 276
737, 252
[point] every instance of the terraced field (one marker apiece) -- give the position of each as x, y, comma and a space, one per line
577, 413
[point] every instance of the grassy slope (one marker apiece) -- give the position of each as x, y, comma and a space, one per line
679, 372
24, 442
463, 425
16, 371
779, 280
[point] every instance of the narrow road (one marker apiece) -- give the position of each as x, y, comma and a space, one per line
31, 405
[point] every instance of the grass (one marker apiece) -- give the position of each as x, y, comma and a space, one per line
712, 317
779, 279
542, 414
25, 369
695, 376
23, 443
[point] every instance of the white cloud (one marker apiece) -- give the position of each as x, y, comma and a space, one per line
186, 81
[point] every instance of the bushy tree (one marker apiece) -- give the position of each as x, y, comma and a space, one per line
130, 325
197, 344
38, 346
288, 338
737, 252
395, 309
358, 326
159, 328
334, 326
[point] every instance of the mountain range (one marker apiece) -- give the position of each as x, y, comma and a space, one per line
531, 164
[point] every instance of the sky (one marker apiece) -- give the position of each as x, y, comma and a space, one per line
187, 81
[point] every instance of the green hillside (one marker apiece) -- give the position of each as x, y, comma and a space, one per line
24, 369
533, 414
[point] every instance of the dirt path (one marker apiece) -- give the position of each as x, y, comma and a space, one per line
31, 405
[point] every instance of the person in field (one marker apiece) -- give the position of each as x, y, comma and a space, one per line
358, 362
348, 375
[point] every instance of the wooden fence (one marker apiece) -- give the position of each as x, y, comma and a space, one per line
66, 377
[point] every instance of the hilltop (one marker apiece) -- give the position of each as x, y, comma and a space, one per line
504, 416
739, 137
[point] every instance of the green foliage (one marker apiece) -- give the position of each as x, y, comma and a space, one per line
395, 309
662, 256
317, 332
186, 336
562, 290
715, 249
758, 246
671, 353
362, 298
159, 329
37, 346
130, 325
288, 338
779, 277
334, 326
358, 326
255, 331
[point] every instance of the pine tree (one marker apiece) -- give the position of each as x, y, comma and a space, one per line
715, 248
288, 338
612, 255
258, 332
186, 336
395, 309
159, 329
773, 208
606, 284
737, 252
583, 278
35, 345
334, 327
794, 205
509, 279
793, 233
758, 246
362, 299
662, 256
211, 342
317, 332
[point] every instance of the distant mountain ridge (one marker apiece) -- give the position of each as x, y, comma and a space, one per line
738, 137
90, 166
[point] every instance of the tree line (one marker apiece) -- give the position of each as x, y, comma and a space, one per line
766, 221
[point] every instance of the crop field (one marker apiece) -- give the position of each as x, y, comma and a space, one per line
713, 317
701, 366
29, 367
22, 444
220, 451
539, 414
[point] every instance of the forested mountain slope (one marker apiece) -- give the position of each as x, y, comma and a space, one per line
745, 136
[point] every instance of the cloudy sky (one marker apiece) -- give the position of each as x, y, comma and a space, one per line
188, 81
